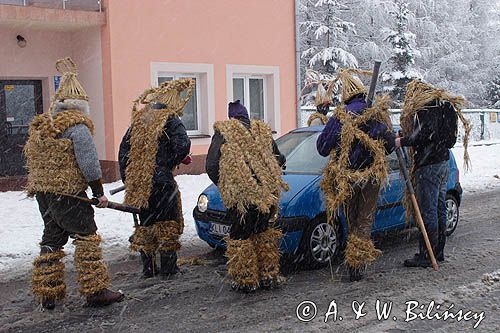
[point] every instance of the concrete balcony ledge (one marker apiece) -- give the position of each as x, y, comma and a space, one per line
48, 18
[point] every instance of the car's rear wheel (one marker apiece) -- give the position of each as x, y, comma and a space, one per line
321, 243
452, 214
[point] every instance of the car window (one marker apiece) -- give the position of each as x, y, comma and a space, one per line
290, 141
301, 154
392, 159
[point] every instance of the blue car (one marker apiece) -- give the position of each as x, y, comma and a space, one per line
307, 237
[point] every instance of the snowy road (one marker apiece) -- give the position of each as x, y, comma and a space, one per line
201, 300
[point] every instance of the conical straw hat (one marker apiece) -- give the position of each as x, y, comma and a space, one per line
69, 88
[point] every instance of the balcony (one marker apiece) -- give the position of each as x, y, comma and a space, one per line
85, 5
58, 15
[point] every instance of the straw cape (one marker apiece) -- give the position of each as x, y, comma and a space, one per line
338, 177
51, 162
418, 95
249, 172
145, 131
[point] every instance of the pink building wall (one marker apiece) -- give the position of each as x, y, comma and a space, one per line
36, 61
218, 32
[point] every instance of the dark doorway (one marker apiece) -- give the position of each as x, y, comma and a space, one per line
20, 101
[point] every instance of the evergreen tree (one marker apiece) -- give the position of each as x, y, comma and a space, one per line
403, 52
493, 92
326, 33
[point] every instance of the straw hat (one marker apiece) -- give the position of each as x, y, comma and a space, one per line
69, 88
169, 93
323, 95
351, 84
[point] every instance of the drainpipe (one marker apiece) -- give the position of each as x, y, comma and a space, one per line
297, 62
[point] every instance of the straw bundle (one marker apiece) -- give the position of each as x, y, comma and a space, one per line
92, 272
167, 234
145, 132
338, 177
51, 161
317, 115
249, 172
242, 262
266, 245
359, 252
48, 276
144, 240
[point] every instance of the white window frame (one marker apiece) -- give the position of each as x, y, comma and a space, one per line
205, 103
246, 91
176, 76
272, 102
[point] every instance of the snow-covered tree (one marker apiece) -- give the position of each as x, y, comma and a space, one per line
403, 55
493, 92
327, 33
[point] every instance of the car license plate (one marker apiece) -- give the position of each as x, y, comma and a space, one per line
220, 229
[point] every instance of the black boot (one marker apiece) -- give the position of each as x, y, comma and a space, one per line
48, 303
168, 263
149, 268
418, 261
355, 274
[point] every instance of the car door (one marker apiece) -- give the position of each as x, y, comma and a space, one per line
390, 210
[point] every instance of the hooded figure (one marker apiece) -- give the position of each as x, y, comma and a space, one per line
356, 139
154, 145
245, 163
62, 159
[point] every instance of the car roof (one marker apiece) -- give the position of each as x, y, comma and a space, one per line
320, 128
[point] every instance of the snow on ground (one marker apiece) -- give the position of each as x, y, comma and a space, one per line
21, 225
485, 171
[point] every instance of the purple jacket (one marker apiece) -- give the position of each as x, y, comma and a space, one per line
359, 156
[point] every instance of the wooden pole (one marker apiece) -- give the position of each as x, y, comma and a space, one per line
418, 216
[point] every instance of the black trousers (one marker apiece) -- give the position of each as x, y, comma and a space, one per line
245, 225
163, 204
62, 217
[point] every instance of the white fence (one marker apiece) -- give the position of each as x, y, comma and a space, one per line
485, 122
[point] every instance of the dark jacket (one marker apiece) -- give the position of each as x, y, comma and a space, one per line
173, 147
359, 157
426, 136
214, 153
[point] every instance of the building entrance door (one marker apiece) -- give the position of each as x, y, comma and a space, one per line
20, 101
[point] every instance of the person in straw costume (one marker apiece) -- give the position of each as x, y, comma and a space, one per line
357, 139
323, 102
154, 145
429, 122
245, 163
62, 159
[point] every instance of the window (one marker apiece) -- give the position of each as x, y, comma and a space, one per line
192, 108
250, 91
258, 88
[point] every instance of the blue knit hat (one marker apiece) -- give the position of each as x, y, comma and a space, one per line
237, 110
